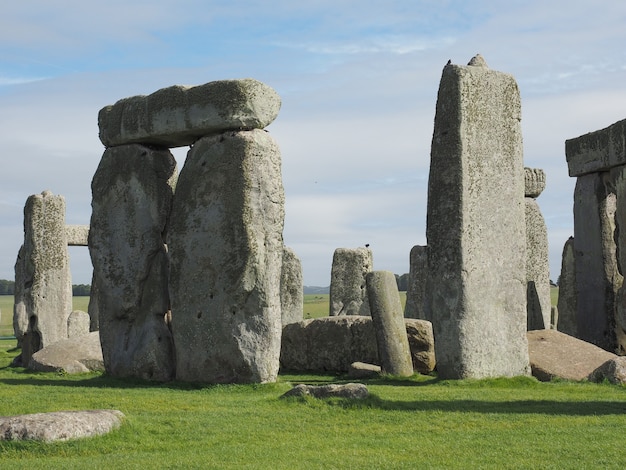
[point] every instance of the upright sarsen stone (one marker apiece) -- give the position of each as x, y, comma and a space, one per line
226, 248
43, 291
568, 322
476, 225
132, 192
416, 292
348, 289
291, 288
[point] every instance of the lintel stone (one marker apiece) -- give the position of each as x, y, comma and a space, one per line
179, 115
597, 151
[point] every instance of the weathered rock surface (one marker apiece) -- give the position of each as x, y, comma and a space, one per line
557, 355
77, 323
538, 299
597, 151
388, 320
351, 390
132, 192
59, 425
43, 295
566, 305
534, 182
416, 292
613, 370
476, 233
291, 288
178, 115
77, 235
74, 355
597, 275
226, 250
348, 290
361, 370
334, 343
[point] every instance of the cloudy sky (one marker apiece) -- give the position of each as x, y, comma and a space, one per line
358, 81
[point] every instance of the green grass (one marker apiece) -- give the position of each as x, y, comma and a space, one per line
410, 423
554, 295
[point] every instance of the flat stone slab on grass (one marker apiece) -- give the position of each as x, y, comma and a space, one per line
179, 115
59, 425
350, 390
556, 355
73, 356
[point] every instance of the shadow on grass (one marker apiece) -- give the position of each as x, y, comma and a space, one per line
543, 407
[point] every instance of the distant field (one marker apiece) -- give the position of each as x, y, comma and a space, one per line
315, 306
6, 311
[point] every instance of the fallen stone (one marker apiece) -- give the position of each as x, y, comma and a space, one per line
613, 370
59, 425
361, 370
556, 355
178, 115
351, 390
334, 343
75, 355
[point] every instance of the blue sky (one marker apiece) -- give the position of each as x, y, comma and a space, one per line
358, 81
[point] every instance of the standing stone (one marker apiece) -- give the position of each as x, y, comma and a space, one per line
386, 308
226, 249
566, 304
596, 261
618, 179
291, 288
20, 316
476, 226
416, 292
43, 293
77, 324
348, 290
538, 299
132, 192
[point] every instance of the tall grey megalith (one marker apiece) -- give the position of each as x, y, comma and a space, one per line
348, 289
226, 249
43, 291
132, 192
566, 304
476, 230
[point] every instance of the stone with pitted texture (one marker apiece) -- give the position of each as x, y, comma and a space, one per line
291, 288
75, 355
59, 425
350, 390
597, 151
416, 291
226, 249
178, 115
538, 298
132, 192
77, 235
43, 298
348, 290
534, 182
476, 225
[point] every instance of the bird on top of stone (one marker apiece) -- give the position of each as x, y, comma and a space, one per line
449, 62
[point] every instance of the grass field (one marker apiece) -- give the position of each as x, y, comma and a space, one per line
419, 422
